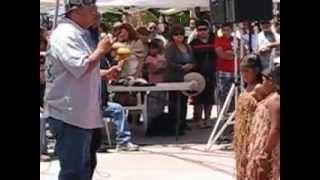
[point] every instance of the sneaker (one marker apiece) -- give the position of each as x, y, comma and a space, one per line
127, 147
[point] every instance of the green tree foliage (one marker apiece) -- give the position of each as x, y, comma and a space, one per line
110, 18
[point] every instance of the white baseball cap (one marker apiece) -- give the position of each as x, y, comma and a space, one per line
73, 4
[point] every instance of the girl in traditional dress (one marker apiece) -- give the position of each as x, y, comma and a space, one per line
250, 68
264, 147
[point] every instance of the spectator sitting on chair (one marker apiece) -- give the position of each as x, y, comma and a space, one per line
113, 110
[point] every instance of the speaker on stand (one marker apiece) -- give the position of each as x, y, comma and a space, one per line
233, 11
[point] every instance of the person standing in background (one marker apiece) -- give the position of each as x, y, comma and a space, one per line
225, 64
268, 45
205, 64
180, 61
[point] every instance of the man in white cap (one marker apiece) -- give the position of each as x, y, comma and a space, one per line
73, 85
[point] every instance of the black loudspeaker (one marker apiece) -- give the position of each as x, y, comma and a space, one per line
241, 10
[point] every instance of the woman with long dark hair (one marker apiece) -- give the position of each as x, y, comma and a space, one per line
130, 38
180, 61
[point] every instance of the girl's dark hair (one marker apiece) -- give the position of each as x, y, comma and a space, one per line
155, 44
103, 27
275, 75
227, 24
133, 35
143, 31
253, 61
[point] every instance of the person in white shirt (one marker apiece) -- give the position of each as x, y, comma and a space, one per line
72, 100
192, 30
243, 34
268, 45
154, 33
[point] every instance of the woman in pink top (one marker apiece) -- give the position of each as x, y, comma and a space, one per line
156, 65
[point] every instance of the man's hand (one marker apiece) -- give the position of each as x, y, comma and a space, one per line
187, 67
273, 45
112, 73
104, 45
118, 45
264, 49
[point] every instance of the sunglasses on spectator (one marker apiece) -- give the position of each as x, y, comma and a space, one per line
178, 33
202, 29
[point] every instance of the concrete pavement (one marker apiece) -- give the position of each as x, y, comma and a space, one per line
160, 158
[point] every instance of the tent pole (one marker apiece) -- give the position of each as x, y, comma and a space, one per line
211, 12
55, 22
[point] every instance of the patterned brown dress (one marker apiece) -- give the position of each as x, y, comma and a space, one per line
258, 139
245, 109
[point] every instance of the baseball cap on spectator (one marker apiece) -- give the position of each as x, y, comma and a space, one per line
71, 5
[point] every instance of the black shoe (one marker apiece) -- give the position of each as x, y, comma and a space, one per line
187, 127
102, 149
181, 132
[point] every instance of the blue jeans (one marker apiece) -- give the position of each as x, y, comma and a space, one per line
43, 139
119, 119
76, 150
224, 83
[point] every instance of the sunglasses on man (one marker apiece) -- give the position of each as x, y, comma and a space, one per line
202, 29
178, 34
81, 2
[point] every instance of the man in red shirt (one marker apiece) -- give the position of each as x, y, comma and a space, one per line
225, 63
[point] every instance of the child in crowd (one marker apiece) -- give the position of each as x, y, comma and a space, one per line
156, 65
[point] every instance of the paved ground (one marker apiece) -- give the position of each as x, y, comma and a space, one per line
160, 158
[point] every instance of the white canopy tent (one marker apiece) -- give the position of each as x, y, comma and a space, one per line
155, 3
140, 3
50, 5
103, 5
